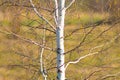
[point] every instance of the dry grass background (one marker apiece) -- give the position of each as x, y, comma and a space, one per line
105, 63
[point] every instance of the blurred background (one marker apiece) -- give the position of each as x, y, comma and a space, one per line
89, 23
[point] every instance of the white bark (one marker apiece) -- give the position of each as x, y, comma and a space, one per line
42, 69
60, 40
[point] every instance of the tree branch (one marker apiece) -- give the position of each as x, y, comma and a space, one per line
82, 41
90, 75
110, 75
43, 18
27, 40
78, 60
90, 54
113, 21
56, 12
70, 4
31, 41
42, 68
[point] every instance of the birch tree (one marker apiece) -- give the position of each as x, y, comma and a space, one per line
59, 16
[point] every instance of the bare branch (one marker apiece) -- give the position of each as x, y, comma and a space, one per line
70, 4
90, 54
23, 55
25, 66
56, 12
90, 75
38, 27
42, 68
10, 3
114, 22
78, 60
31, 41
43, 18
82, 41
27, 40
110, 75
98, 23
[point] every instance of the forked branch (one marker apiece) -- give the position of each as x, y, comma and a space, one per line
90, 52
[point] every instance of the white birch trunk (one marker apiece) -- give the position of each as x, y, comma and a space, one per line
60, 40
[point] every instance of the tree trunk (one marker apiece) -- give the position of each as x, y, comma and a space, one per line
60, 40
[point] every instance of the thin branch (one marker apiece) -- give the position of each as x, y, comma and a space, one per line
38, 27
23, 55
42, 68
114, 22
90, 75
110, 75
90, 54
43, 18
27, 40
98, 23
21, 66
23, 5
82, 41
31, 41
78, 60
56, 12
70, 4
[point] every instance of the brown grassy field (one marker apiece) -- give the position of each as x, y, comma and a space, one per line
19, 59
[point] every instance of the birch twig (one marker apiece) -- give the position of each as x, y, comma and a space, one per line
42, 17
70, 4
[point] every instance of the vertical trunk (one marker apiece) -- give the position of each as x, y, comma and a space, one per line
60, 40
